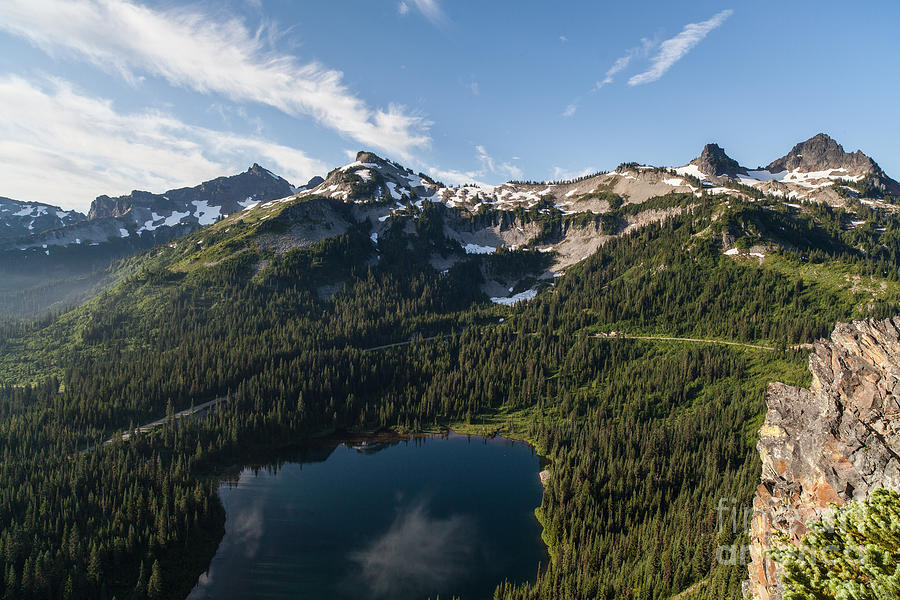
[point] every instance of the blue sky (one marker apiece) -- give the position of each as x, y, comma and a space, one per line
105, 96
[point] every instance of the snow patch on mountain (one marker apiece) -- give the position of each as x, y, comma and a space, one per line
516, 298
156, 221
206, 214
476, 249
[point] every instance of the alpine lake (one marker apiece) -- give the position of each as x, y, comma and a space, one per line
382, 517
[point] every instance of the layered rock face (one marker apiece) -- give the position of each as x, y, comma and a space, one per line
834, 442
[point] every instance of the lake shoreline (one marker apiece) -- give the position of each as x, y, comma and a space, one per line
320, 448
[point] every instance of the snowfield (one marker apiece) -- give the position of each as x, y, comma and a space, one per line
476, 249
516, 298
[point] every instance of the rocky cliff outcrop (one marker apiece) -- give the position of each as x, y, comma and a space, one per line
834, 442
714, 162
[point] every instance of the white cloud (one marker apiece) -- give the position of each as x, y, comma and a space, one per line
561, 174
673, 49
623, 61
452, 176
563, 39
65, 148
431, 10
470, 84
403, 8
202, 53
619, 65
490, 166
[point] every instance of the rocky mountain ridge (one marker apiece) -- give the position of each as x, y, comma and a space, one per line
811, 170
820, 153
229, 194
147, 216
834, 442
19, 219
146, 219
373, 179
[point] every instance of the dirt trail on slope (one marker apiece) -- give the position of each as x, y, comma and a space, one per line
617, 334
186, 413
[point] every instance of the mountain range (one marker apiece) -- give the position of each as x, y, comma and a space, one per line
625, 323
817, 170
143, 214
55, 257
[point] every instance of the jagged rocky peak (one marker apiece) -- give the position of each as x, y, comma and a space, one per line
834, 442
821, 153
715, 163
371, 178
313, 182
364, 156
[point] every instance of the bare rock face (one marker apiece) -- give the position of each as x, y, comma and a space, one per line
822, 152
834, 442
714, 162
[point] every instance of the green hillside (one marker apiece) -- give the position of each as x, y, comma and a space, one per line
268, 309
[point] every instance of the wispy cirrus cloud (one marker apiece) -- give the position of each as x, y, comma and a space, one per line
563, 174
674, 49
491, 167
430, 9
60, 146
670, 51
639, 51
209, 55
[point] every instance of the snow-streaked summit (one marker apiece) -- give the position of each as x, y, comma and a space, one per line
810, 170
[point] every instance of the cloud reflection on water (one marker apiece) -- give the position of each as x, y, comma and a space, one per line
419, 554
245, 531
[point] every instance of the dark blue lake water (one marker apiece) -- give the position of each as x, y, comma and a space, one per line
406, 519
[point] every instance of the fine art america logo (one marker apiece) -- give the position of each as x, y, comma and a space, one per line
730, 514
733, 523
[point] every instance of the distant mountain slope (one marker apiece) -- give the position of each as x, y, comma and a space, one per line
810, 171
828, 175
159, 217
203, 203
20, 219
51, 258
